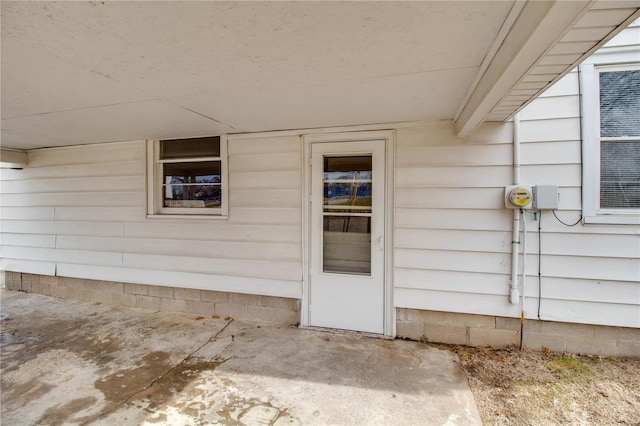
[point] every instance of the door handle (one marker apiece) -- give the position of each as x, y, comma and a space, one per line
381, 242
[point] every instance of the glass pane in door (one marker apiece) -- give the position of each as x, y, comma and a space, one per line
347, 182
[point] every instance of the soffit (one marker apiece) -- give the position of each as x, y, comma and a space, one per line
591, 31
90, 72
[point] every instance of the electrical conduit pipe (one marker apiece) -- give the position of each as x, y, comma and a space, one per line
514, 295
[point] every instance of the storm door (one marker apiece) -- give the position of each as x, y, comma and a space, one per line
347, 253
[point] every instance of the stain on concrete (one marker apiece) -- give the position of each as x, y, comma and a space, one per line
183, 376
65, 362
14, 395
62, 413
118, 386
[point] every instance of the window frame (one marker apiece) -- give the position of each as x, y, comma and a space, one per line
155, 209
591, 139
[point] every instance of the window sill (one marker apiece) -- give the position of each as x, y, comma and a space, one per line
182, 217
629, 219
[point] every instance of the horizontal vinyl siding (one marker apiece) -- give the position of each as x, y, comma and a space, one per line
80, 212
452, 239
590, 273
453, 234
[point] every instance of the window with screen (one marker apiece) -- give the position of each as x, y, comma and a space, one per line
611, 143
189, 176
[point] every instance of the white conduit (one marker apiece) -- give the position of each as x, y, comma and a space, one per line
514, 295
524, 273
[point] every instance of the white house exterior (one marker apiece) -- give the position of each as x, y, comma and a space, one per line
431, 260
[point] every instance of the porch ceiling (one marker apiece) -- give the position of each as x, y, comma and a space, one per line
91, 72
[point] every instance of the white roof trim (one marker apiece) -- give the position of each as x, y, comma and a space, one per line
538, 26
10, 159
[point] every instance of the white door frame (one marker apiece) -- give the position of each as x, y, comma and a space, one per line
389, 137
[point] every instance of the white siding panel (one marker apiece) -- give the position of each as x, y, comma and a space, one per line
88, 154
574, 289
618, 315
83, 184
463, 261
270, 269
448, 198
98, 229
264, 162
584, 245
267, 216
552, 108
567, 85
454, 219
266, 180
444, 177
28, 240
557, 129
76, 199
626, 37
551, 152
440, 239
27, 213
265, 197
552, 174
455, 281
592, 268
455, 155
114, 168
211, 249
28, 266
449, 301
279, 288
265, 145
86, 257
99, 214
218, 231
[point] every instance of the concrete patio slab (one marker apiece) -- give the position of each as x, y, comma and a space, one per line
67, 362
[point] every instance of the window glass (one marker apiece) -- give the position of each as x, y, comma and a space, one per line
620, 103
347, 184
620, 174
190, 148
193, 172
189, 176
346, 206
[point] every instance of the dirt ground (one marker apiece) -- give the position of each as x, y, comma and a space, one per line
535, 388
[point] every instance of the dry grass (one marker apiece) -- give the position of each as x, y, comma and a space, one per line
534, 388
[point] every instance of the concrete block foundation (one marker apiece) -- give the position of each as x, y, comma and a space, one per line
428, 326
499, 332
267, 309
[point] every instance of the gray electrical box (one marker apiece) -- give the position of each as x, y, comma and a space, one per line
545, 197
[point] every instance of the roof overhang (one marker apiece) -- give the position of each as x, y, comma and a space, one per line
540, 43
91, 72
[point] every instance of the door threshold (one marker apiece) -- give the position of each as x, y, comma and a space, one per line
342, 332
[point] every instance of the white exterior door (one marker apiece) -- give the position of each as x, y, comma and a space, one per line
347, 234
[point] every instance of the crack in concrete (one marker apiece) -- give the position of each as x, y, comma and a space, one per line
160, 377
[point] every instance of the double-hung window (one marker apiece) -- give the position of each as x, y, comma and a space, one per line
611, 143
187, 177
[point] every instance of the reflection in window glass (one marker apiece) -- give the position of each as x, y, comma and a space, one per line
347, 183
347, 194
620, 103
347, 245
620, 174
190, 148
192, 184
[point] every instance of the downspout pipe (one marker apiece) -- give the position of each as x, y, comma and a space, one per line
514, 294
